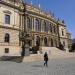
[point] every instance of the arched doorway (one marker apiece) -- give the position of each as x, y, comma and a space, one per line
45, 41
30, 42
51, 42
36, 47
37, 41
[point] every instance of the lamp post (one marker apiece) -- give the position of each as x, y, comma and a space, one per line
24, 35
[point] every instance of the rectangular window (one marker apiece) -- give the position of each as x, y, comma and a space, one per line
51, 28
7, 19
6, 50
62, 32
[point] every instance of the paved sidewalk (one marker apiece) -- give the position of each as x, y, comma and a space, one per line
64, 66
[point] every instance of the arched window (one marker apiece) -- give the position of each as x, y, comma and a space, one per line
29, 24
45, 41
37, 25
7, 37
51, 28
44, 26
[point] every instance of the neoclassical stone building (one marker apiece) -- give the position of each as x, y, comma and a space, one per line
69, 40
9, 27
44, 30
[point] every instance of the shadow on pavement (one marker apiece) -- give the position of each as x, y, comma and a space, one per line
17, 59
37, 66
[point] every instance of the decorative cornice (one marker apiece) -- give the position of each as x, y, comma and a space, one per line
63, 37
38, 14
7, 11
61, 24
11, 5
44, 33
6, 27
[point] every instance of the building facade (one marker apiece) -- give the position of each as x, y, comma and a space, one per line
44, 30
69, 40
9, 27
41, 27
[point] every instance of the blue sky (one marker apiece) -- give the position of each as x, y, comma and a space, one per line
63, 9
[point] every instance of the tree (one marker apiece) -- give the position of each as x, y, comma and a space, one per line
61, 46
72, 48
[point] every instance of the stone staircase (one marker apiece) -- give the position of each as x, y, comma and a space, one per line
53, 53
33, 57
53, 50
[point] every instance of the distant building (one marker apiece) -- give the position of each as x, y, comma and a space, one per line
73, 40
43, 29
63, 34
69, 40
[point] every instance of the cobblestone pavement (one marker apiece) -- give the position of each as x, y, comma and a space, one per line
55, 67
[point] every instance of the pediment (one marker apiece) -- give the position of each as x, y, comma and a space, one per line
7, 11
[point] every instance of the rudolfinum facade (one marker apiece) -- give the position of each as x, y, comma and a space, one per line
43, 29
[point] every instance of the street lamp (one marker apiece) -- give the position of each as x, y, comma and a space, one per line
24, 35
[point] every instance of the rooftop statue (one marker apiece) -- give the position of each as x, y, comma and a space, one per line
18, 1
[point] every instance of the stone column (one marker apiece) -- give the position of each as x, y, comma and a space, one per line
49, 42
41, 41
66, 46
34, 25
57, 43
26, 23
42, 29
32, 40
54, 40
20, 27
22, 21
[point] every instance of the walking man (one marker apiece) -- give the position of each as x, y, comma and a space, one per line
46, 59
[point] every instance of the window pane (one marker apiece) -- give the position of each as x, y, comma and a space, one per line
37, 25
62, 32
6, 50
7, 37
7, 19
